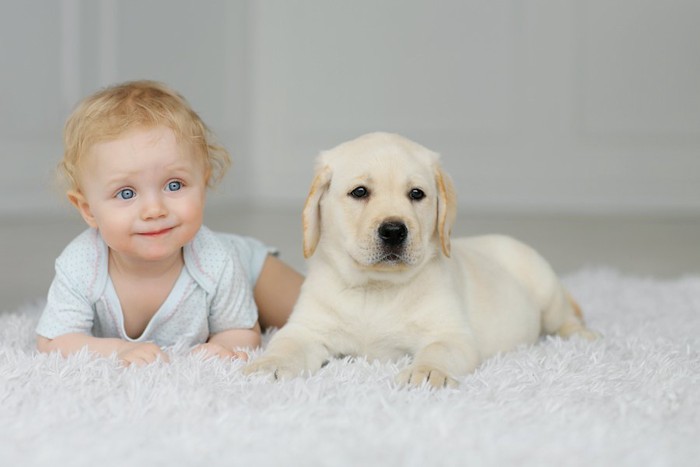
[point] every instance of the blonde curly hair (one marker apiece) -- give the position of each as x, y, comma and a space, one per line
111, 112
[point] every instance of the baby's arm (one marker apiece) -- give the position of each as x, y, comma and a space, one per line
139, 353
223, 344
276, 291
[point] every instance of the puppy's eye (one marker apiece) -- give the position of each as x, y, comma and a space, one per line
359, 192
416, 194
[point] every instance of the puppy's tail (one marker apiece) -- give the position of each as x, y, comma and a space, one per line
575, 306
575, 325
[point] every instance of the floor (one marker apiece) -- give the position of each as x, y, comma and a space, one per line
660, 247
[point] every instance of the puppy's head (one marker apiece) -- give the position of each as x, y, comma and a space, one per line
380, 203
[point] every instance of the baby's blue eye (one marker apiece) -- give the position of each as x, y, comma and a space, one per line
174, 185
126, 193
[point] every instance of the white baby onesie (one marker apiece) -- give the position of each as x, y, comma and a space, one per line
214, 292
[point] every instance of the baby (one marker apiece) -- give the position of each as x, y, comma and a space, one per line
147, 274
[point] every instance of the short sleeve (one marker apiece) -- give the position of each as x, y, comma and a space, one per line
67, 309
233, 305
81, 272
251, 253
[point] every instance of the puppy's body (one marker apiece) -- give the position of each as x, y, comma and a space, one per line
384, 280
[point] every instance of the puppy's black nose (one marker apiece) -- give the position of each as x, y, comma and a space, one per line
393, 233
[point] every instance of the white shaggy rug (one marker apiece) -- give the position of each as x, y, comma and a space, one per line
629, 399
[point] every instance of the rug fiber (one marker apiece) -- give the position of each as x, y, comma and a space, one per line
631, 398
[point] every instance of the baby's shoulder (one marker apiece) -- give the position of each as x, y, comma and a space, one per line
84, 261
83, 251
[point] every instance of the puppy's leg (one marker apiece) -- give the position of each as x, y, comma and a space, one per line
439, 363
294, 350
563, 317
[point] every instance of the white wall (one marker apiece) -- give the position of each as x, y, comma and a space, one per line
554, 105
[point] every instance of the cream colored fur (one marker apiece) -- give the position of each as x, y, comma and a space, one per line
449, 304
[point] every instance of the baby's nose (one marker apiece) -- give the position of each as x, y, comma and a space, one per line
153, 207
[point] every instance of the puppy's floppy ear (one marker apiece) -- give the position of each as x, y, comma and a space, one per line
311, 216
446, 207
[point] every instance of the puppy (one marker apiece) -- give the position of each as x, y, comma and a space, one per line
384, 280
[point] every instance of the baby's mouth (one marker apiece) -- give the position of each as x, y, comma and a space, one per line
156, 233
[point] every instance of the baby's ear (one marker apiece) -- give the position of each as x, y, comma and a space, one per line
78, 200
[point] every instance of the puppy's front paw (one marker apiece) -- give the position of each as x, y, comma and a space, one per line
415, 375
279, 367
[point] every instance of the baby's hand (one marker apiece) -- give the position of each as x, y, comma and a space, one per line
212, 349
140, 353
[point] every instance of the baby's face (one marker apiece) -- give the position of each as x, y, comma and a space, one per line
145, 192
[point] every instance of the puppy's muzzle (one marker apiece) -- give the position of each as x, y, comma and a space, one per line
392, 233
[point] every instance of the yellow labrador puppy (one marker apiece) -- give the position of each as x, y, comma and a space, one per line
384, 280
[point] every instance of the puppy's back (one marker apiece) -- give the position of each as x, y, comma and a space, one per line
519, 260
